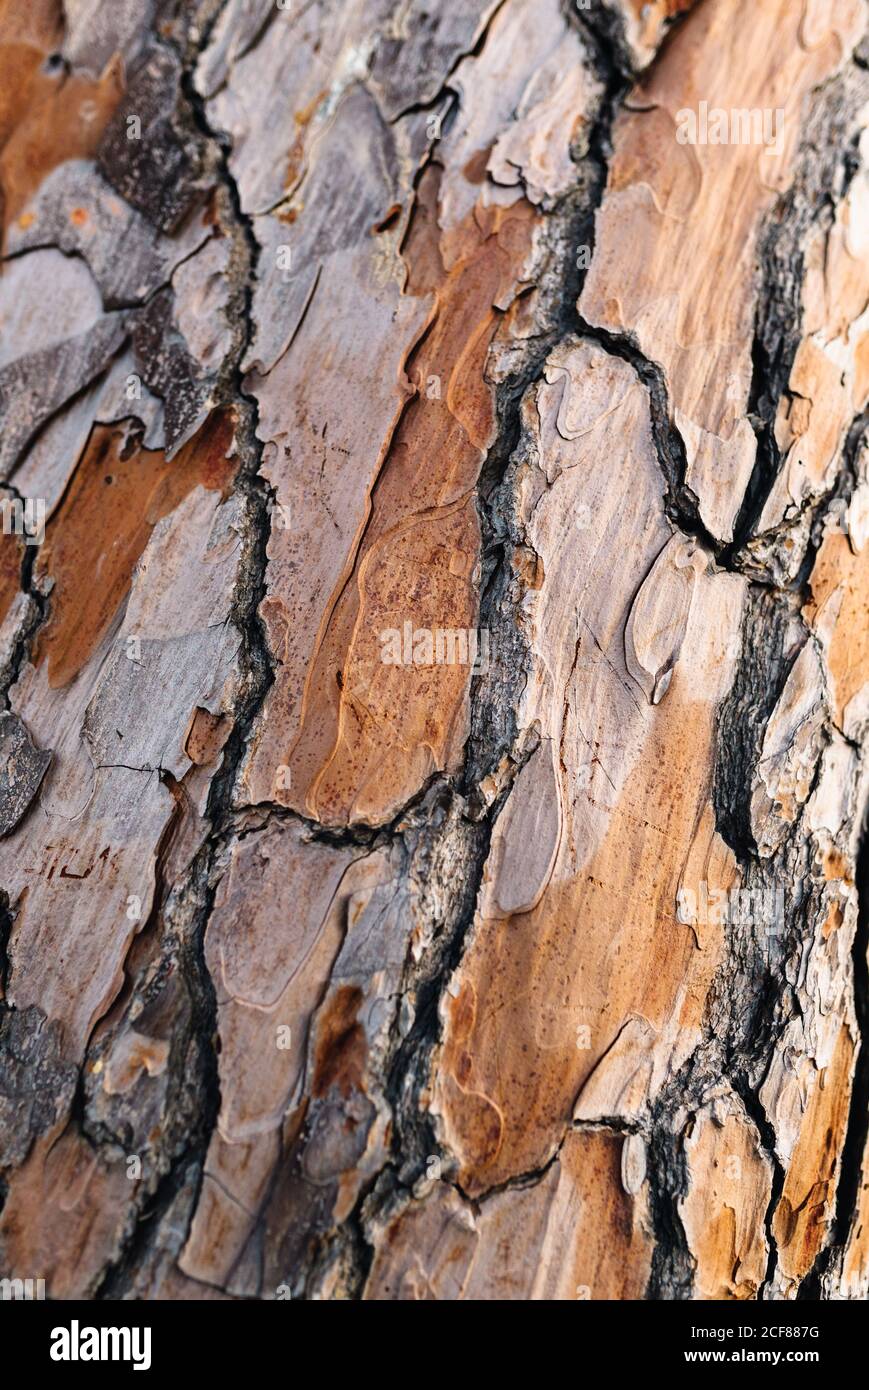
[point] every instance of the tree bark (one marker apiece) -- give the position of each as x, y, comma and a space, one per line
434, 647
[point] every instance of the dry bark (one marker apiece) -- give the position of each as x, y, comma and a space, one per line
327, 974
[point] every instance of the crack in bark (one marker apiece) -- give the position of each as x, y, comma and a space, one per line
185, 915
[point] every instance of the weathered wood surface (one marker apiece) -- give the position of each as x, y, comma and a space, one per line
329, 333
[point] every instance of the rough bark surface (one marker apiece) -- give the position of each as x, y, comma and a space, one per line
338, 337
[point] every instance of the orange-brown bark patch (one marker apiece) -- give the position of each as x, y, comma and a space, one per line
47, 118
808, 1198
372, 737
102, 526
341, 1049
838, 568
11, 556
546, 993
207, 734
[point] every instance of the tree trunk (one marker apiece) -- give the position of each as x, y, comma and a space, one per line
434, 639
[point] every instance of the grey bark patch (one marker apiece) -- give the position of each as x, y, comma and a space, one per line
77, 211
170, 371
95, 32
36, 1085
158, 165
420, 59
22, 768
34, 387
